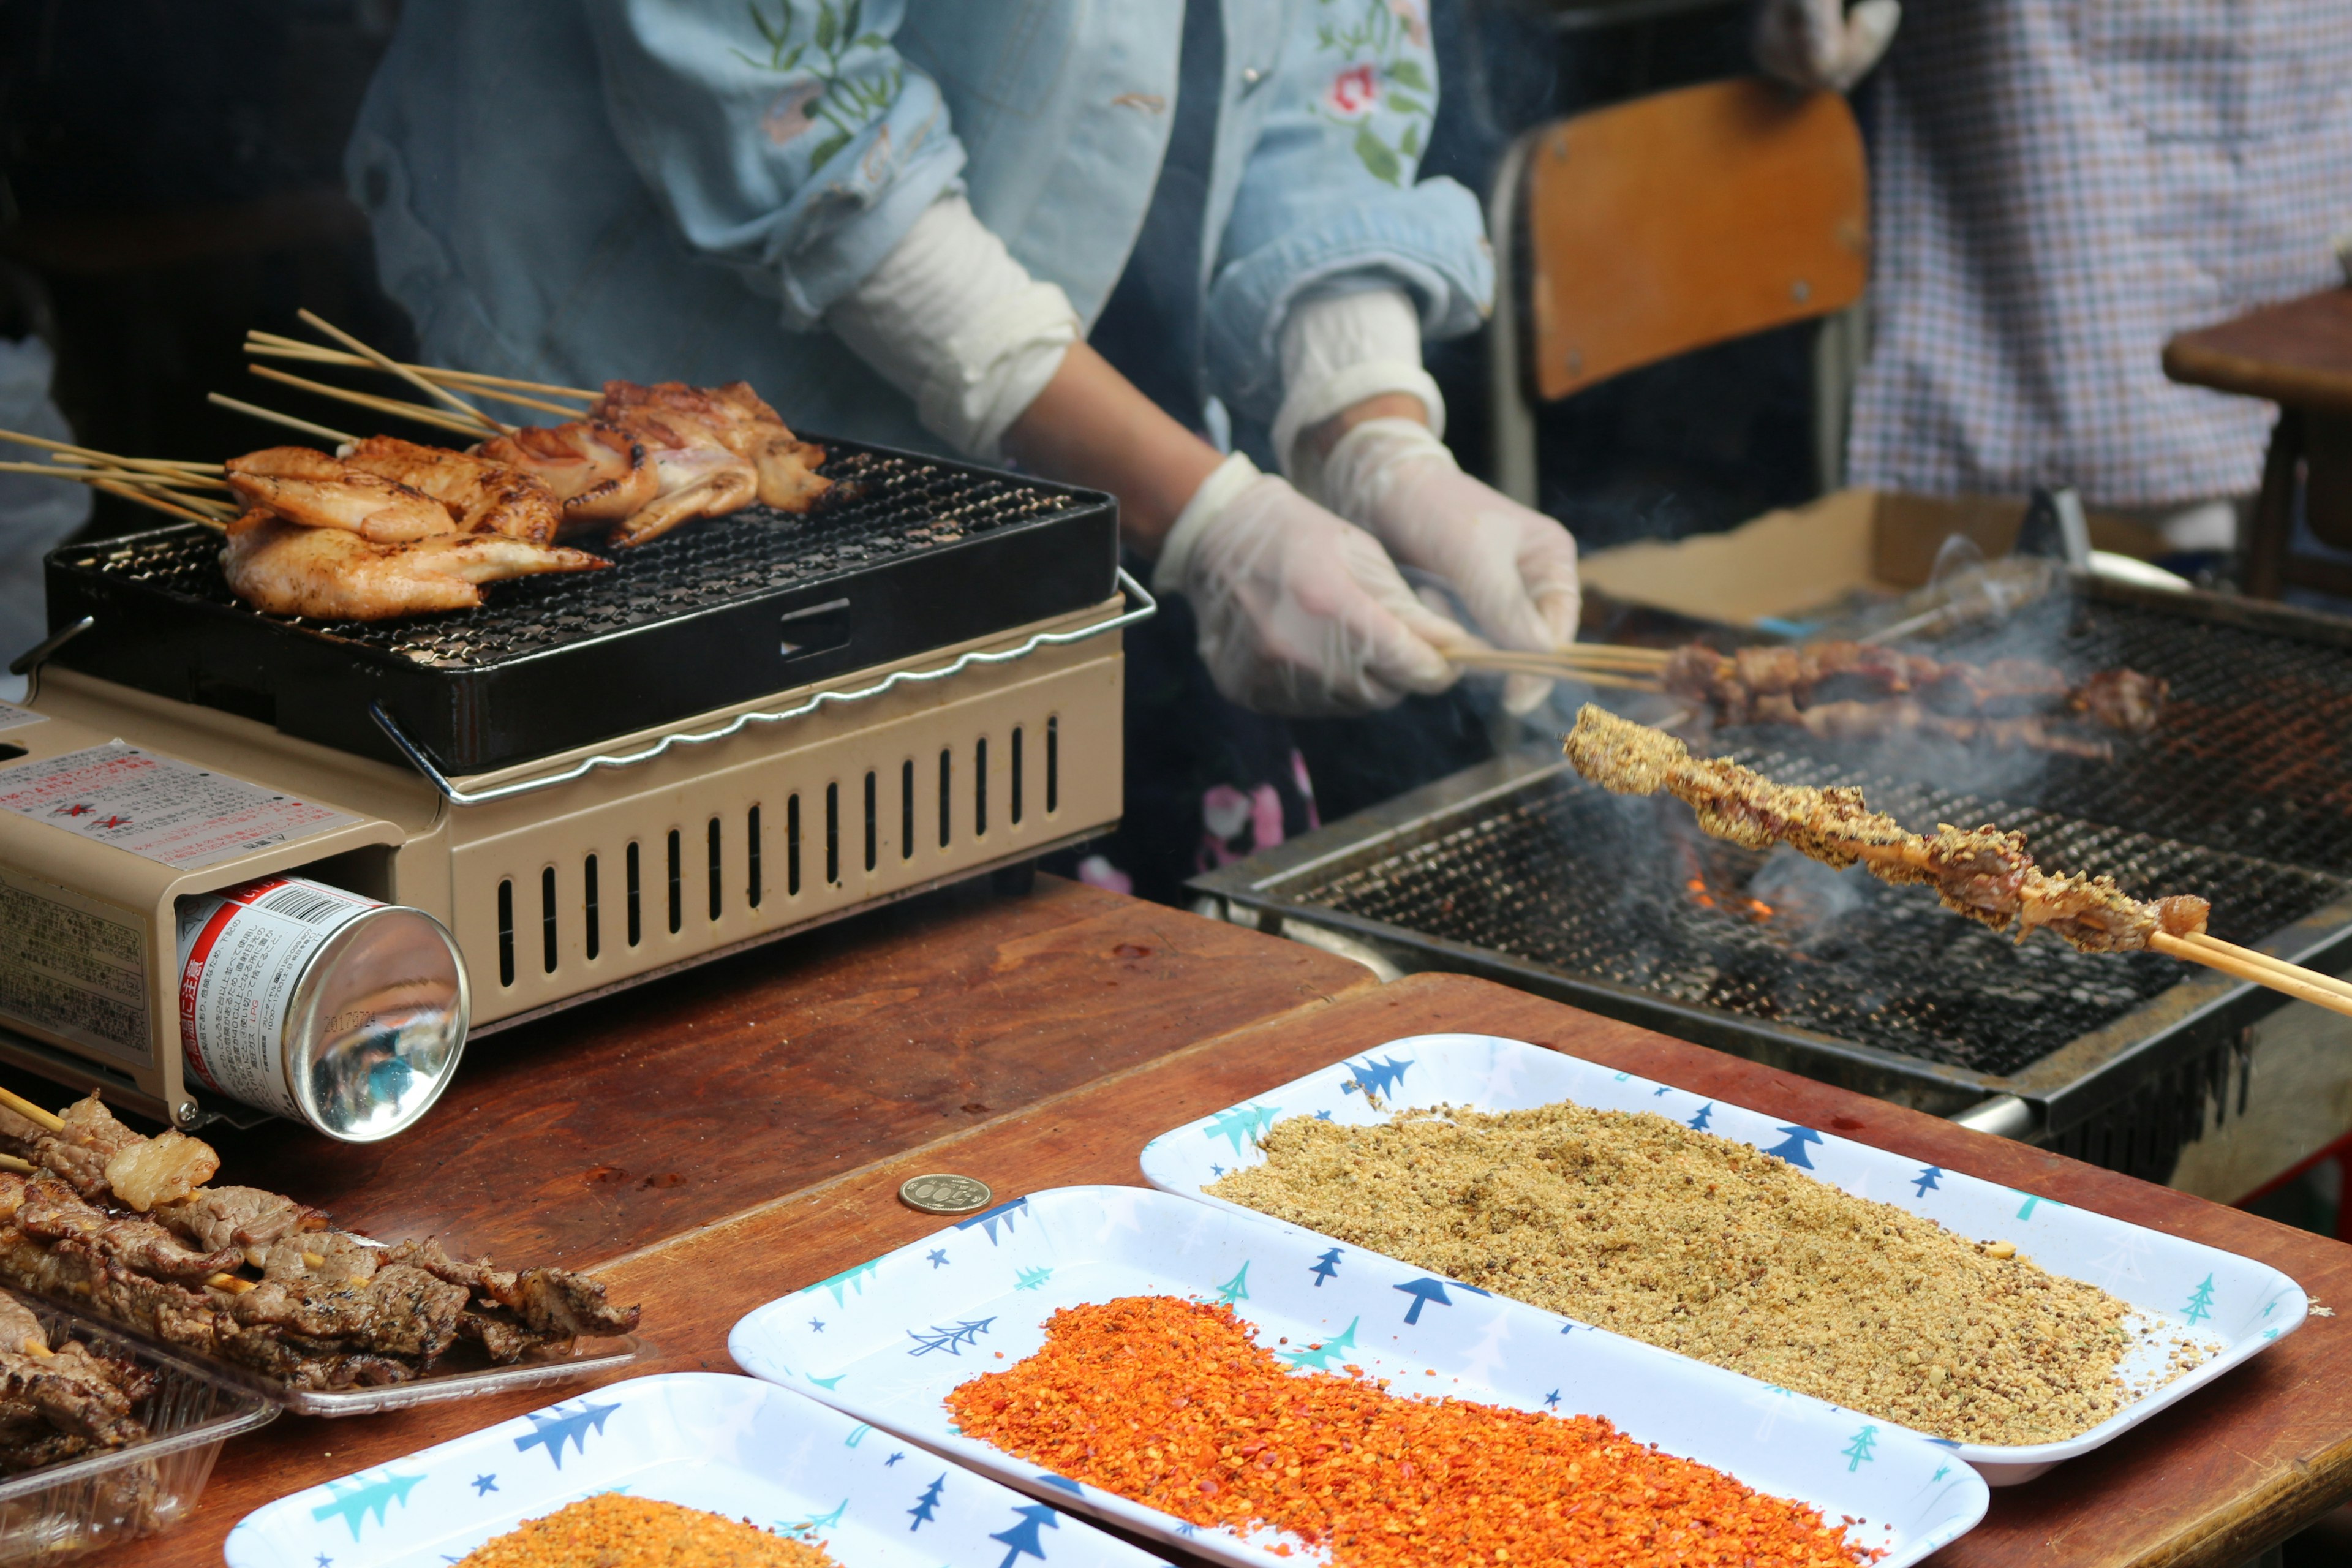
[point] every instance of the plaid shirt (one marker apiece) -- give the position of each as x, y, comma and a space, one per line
2059, 186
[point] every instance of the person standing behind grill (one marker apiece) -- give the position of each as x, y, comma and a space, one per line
2057, 186
960, 192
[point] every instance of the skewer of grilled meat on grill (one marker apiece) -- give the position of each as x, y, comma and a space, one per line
1783, 685
1982, 872
123, 1225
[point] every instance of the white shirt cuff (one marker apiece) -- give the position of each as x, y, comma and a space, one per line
952, 321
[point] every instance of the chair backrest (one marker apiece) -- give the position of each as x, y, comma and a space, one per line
1686, 218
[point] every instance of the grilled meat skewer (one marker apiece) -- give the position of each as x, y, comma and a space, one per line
1780, 685
1982, 872
330, 1309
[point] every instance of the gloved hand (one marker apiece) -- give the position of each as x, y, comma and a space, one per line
1820, 43
1513, 569
1300, 613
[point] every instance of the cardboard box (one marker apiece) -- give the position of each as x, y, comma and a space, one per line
1786, 565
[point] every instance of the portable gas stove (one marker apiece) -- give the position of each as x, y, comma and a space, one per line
1521, 872
754, 725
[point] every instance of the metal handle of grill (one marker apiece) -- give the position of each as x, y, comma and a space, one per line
1145, 607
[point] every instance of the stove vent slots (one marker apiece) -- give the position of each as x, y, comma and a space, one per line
703, 880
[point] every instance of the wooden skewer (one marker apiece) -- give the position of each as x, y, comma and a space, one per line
386, 361
2214, 944
1512, 663
91, 455
316, 353
255, 410
393, 405
230, 1283
2303, 985
310, 354
10, 1163
31, 1112
122, 476
1617, 653
147, 499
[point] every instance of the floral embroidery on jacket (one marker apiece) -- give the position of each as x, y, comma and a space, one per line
843, 95
1387, 81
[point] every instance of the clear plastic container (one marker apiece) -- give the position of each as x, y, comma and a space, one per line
140, 1489
586, 1358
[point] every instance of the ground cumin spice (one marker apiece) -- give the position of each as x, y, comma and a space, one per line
1173, 1404
614, 1531
1705, 1246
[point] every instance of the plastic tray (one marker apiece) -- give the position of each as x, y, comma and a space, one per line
2239, 1305
106, 1499
710, 1440
888, 1340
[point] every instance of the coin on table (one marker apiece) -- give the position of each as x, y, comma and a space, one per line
942, 1193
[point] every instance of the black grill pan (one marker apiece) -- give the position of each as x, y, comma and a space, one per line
906, 553
1520, 872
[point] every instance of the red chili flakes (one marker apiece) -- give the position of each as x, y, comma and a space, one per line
1173, 1404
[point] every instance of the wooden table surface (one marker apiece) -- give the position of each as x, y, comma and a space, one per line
1008, 1004
2298, 352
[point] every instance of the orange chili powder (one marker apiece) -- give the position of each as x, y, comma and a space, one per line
1172, 1404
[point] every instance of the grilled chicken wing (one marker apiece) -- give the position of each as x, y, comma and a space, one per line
598, 472
674, 417
289, 569
484, 495
310, 488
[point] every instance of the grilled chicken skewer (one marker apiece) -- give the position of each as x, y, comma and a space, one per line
334, 574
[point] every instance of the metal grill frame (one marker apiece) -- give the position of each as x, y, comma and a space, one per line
923, 553
2086, 1092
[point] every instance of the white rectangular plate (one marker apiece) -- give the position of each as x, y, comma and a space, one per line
886, 1342
709, 1440
2234, 1305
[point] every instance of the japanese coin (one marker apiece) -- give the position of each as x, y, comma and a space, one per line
942, 1193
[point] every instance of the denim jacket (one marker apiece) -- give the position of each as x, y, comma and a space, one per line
677, 189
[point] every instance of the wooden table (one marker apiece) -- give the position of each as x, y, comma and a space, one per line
2298, 355
1040, 1044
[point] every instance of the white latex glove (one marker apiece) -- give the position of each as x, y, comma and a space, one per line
1513, 569
1820, 43
1300, 613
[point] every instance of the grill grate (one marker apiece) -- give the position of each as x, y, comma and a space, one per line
887, 505
2254, 752
1599, 887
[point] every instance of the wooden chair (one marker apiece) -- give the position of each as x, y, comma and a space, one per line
1661, 226
2298, 355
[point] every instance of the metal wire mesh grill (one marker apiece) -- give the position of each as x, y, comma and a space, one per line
2253, 752
885, 505
1560, 874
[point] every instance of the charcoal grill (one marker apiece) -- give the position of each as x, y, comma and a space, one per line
754, 725
1520, 872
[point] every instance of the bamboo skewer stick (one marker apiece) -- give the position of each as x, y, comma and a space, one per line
2303, 985
1535, 664
147, 499
330, 356
386, 361
292, 348
92, 455
2214, 944
393, 405
255, 410
31, 1112
122, 476
10, 1163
